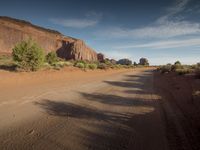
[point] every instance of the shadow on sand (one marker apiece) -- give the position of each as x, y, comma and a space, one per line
116, 130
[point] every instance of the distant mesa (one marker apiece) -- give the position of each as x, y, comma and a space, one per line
144, 62
13, 31
124, 62
113, 61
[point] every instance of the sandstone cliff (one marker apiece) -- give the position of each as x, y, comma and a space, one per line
13, 31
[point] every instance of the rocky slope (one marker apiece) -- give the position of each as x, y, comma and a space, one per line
13, 31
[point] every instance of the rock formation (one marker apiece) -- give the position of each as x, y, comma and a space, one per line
144, 61
113, 61
13, 31
101, 57
124, 62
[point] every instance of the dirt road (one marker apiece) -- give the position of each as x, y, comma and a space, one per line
113, 110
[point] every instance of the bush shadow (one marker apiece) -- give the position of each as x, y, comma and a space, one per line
11, 68
115, 100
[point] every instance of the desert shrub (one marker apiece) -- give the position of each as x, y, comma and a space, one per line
28, 55
46, 66
176, 67
92, 66
107, 62
80, 65
118, 66
165, 68
102, 66
183, 71
63, 63
81, 61
51, 58
58, 65
66, 63
112, 66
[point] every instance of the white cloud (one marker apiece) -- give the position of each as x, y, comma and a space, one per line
179, 6
165, 30
75, 23
93, 14
166, 26
165, 44
90, 19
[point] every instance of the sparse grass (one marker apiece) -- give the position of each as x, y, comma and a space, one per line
80, 65
7, 63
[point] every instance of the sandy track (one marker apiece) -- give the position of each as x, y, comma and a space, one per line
114, 110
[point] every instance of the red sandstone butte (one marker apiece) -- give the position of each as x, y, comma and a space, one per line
12, 31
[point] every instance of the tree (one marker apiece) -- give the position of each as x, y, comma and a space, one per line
28, 55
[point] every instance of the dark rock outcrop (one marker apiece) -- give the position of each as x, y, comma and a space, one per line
124, 62
144, 61
13, 31
100, 57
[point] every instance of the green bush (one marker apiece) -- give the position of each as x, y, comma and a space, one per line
80, 65
81, 61
51, 58
28, 55
107, 62
92, 66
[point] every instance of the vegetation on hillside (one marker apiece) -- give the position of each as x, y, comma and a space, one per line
28, 56
180, 69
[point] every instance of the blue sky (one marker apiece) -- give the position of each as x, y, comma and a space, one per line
161, 30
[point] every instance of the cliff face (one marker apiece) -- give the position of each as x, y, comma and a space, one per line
13, 31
